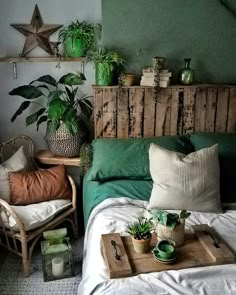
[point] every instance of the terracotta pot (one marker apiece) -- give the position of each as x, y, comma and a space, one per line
141, 246
128, 80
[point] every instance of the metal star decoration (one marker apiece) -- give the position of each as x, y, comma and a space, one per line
36, 33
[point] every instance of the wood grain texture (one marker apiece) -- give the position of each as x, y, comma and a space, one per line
231, 125
222, 110
200, 110
125, 112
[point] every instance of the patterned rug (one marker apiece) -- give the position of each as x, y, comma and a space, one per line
13, 281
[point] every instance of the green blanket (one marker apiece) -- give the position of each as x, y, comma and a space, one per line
95, 192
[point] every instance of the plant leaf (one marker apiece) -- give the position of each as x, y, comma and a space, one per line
71, 79
56, 109
46, 79
27, 91
54, 95
20, 110
41, 120
86, 107
34, 117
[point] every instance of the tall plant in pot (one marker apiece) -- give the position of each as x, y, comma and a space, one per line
59, 102
77, 38
108, 62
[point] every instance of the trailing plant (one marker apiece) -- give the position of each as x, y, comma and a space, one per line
171, 220
79, 30
140, 229
59, 101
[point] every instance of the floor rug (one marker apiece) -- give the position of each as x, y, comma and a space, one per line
13, 281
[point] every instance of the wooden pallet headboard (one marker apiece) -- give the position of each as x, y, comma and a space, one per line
124, 112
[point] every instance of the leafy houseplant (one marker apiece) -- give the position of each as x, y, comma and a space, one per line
77, 38
59, 102
140, 231
171, 225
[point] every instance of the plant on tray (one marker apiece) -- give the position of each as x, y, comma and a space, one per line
59, 103
108, 62
171, 225
77, 38
141, 233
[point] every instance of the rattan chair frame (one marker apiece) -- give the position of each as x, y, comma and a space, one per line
22, 242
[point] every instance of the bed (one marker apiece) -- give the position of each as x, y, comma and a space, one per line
114, 197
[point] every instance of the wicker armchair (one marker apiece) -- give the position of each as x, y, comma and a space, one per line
21, 241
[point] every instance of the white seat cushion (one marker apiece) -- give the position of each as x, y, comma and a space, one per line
36, 215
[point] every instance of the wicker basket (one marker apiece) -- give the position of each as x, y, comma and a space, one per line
62, 142
176, 235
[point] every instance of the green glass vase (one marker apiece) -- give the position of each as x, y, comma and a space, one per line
104, 74
186, 75
74, 47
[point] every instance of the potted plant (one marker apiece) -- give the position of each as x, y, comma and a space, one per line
59, 102
77, 38
108, 62
140, 231
171, 225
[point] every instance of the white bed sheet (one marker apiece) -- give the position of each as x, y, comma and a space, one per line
112, 215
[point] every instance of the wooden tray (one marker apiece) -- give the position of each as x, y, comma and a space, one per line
199, 249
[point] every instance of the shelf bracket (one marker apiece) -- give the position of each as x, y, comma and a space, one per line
14, 69
82, 67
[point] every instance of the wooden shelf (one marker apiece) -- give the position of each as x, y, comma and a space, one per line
42, 59
46, 157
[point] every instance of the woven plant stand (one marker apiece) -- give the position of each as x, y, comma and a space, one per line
176, 235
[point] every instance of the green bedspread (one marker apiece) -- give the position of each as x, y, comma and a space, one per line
95, 192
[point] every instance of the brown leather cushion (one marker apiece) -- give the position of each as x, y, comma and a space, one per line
39, 186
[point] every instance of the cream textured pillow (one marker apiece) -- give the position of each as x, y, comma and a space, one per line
17, 162
181, 181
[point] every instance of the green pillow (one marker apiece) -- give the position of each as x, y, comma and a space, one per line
227, 159
128, 158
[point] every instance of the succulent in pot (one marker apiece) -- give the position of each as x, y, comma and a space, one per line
141, 233
59, 102
171, 225
77, 38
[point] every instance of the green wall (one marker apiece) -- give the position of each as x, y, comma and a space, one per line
203, 30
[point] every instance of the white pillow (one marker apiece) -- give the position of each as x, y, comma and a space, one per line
17, 162
181, 181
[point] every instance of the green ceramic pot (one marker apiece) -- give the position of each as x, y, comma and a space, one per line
74, 47
103, 74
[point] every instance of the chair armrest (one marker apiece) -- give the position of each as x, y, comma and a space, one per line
74, 191
8, 210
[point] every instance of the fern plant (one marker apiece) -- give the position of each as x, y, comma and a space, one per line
140, 229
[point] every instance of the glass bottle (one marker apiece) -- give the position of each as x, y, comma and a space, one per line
186, 75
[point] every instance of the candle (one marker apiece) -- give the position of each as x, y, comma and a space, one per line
57, 266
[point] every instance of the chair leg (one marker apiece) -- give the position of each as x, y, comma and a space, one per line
75, 224
25, 257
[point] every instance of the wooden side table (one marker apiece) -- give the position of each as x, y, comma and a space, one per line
46, 157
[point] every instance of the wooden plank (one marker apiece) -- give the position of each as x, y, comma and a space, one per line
42, 59
149, 113
109, 113
215, 247
231, 124
98, 112
117, 268
162, 106
211, 109
192, 254
168, 95
136, 111
200, 110
123, 113
222, 110
46, 157
189, 110
175, 119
